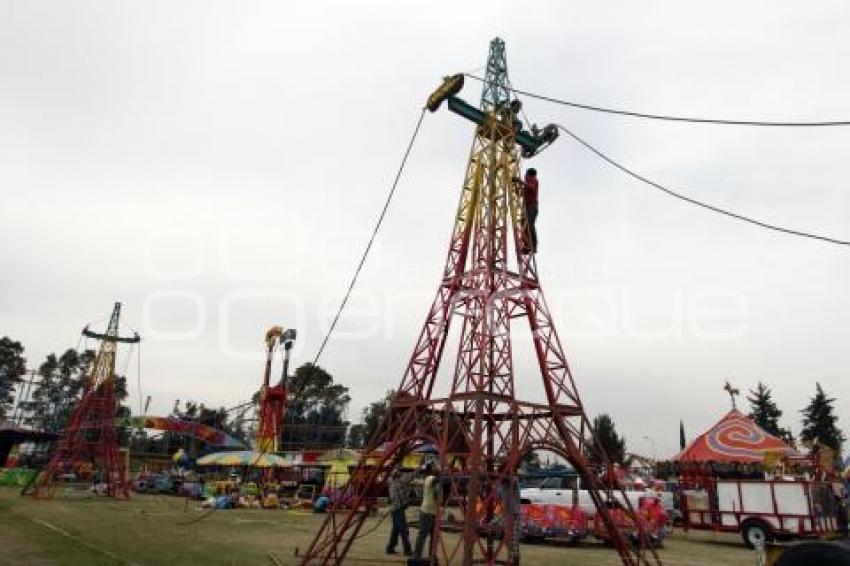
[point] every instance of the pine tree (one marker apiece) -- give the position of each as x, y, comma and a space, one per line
43, 403
315, 413
72, 370
613, 444
820, 423
360, 434
763, 410
12, 367
61, 383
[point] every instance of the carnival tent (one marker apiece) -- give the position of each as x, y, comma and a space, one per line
243, 458
735, 438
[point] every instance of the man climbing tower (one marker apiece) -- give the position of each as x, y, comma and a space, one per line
529, 188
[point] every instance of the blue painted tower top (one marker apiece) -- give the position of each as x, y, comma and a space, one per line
496, 91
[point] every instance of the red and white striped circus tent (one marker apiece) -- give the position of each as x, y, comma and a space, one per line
735, 438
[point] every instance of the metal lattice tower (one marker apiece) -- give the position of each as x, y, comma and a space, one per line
273, 397
90, 439
496, 92
482, 427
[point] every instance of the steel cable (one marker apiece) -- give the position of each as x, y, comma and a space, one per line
668, 118
695, 202
372, 238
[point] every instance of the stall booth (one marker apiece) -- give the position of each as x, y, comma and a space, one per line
18, 466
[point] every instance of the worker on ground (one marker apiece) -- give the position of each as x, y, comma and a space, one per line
427, 511
511, 516
529, 187
399, 497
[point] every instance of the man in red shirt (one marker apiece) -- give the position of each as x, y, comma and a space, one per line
529, 188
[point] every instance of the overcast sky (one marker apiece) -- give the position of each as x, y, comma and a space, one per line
217, 167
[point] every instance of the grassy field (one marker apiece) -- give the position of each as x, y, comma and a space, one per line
160, 530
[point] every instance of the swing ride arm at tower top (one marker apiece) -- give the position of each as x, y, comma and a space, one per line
531, 143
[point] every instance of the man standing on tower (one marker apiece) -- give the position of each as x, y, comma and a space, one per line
529, 188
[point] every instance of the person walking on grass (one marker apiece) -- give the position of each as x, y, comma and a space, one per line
427, 511
399, 497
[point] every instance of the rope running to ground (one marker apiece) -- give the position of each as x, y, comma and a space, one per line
693, 201
371, 239
668, 118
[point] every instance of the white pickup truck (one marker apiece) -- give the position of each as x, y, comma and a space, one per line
559, 491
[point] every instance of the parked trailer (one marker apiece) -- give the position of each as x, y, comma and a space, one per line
762, 510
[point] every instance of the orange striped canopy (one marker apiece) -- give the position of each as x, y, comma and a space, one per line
735, 438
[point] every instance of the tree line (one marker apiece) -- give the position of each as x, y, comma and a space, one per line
315, 416
318, 405
60, 383
819, 424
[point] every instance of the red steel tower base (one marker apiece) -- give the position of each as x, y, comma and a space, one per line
484, 422
89, 443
